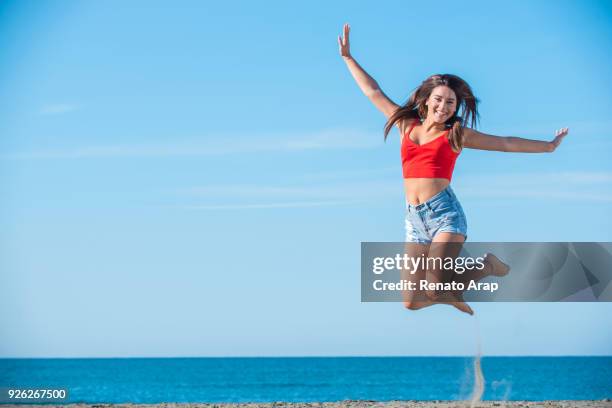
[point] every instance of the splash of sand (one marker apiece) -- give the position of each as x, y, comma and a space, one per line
478, 377
508, 388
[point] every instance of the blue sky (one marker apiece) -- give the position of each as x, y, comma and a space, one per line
195, 179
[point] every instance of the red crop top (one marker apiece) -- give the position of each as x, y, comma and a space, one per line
434, 159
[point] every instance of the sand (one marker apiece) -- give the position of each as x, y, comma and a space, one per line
350, 404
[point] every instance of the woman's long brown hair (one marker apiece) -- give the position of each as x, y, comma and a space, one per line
415, 107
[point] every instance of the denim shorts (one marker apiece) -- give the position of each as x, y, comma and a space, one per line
441, 213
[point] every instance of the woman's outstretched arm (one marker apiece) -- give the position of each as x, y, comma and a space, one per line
366, 83
473, 139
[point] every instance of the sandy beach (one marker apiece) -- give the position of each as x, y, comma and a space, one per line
353, 404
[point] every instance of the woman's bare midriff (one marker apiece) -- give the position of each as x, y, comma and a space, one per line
419, 190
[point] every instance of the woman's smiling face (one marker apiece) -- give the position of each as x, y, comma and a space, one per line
441, 104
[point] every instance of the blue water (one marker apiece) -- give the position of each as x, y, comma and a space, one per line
154, 380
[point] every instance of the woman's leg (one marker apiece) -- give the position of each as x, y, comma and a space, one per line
445, 245
418, 299
415, 299
449, 245
416, 247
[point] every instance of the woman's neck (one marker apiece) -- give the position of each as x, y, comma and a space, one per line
429, 124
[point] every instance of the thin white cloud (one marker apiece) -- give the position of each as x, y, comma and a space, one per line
285, 191
299, 204
346, 190
568, 186
257, 196
549, 193
538, 178
352, 173
56, 109
218, 145
594, 187
250, 190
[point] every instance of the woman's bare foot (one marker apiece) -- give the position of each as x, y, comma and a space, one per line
416, 305
451, 298
456, 299
464, 307
498, 268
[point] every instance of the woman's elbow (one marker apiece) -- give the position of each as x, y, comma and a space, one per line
373, 93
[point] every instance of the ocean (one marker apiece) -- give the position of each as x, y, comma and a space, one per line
309, 379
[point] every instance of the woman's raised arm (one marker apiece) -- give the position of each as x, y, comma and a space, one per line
366, 83
475, 140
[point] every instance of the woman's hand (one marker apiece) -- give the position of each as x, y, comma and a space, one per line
343, 43
559, 135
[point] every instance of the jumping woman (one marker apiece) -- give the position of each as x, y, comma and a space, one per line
435, 125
